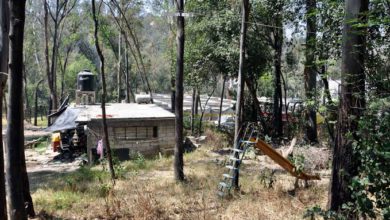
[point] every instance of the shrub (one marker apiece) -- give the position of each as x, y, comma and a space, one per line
371, 191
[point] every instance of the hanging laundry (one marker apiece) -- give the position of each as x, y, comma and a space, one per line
99, 148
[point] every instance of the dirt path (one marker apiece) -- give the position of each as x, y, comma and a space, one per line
41, 167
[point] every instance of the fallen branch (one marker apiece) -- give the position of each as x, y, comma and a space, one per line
290, 149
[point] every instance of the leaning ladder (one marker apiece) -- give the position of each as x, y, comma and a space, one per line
235, 158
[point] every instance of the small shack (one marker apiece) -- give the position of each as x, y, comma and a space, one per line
132, 128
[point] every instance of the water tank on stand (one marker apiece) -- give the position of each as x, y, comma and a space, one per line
86, 81
85, 92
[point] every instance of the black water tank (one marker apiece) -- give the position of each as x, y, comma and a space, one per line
86, 81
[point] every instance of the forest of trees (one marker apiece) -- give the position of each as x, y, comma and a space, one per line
278, 49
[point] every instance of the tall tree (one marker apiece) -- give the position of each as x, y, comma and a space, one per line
57, 12
4, 22
352, 102
47, 62
310, 71
36, 102
15, 129
3, 204
104, 92
277, 44
179, 148
119, 78
128, 32
221, 101
241, 78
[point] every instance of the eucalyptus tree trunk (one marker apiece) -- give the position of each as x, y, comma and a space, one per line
277, 46
47, 62
310, 73
63, 71
173, 94
62, 9
15, 130
129, 91
4, 44
278, 102
203, 110
241, 84
36, 103
352, 103
135, 48
3, 203
221, 103
119, 67
104, 93
326, 85
193, 111
53, 68
179, 148
259, 111
26, 106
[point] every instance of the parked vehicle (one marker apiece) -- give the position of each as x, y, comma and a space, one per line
227, 122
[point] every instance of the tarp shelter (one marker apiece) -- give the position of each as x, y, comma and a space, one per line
66, 121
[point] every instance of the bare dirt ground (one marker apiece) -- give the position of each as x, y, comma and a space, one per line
41, 167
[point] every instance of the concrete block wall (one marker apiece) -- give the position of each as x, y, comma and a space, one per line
166, 136
123, 133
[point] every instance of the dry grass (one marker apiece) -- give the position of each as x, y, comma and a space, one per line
152, 193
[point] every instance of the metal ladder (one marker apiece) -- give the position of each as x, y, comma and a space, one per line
235, 158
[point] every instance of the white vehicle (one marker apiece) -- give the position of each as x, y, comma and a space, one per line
227, 122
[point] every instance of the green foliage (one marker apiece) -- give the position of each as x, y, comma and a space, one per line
119, 169
187, 123
140, 161
370, 189
266, 85
299, 162
137, 162
80, 63
104, 189
41, 147
267, 178
59, 200
212, 43
326, 215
